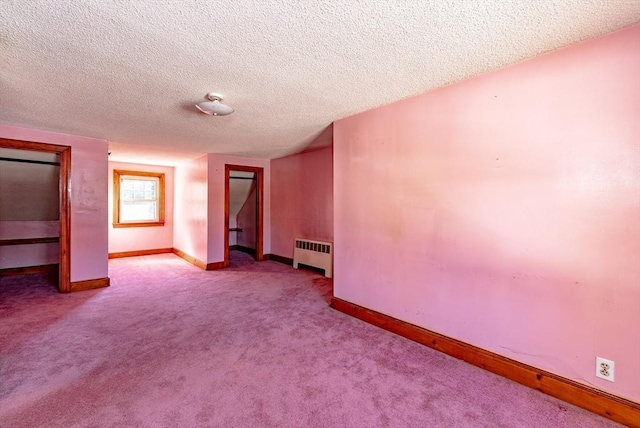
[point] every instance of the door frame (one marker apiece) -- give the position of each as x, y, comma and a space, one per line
259, 171
64, 269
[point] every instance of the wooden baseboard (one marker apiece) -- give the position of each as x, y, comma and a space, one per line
608, 405
233, 247
215, 266
199, 263
140, 253
89, 284
51, 269
190, 259
279, 259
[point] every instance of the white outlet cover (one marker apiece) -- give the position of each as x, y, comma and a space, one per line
610, 367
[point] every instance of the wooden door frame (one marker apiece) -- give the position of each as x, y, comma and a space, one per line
64, 275
259, 171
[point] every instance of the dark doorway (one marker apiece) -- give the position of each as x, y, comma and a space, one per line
244, 211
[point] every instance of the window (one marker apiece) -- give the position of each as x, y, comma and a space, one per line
138, 199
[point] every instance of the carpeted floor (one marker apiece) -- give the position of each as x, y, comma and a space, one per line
255, 345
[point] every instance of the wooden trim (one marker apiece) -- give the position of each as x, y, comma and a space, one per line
602, 403
51, 269
148, 224
30, 145
64, 277
215, 266
199, 263
140, 253
260, 225
27, 241
259, 171
190, 259
226, 215
64, 152
116, 198
233, 247
89, 284
279, 259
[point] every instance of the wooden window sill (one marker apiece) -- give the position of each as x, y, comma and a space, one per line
146, 224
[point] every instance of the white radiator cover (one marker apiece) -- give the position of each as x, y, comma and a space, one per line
314, 253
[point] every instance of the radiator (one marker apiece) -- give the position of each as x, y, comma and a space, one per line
314, 253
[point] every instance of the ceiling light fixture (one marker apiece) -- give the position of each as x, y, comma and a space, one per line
214, 107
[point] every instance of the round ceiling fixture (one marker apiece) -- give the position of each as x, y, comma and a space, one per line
214, 107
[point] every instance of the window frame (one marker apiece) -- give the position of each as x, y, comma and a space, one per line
117, 175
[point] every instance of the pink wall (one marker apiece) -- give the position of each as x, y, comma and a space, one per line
504, 210
216, 202
301, 199
142, 238
247, 220
190, 208
88, 198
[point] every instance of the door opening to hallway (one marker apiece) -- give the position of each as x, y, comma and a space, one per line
243, 211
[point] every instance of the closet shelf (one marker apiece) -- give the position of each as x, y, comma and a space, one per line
26, 241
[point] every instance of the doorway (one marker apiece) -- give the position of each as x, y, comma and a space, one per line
64, 210
244, 218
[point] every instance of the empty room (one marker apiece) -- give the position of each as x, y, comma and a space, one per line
320, 214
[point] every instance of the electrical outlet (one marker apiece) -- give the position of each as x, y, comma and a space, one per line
605, 369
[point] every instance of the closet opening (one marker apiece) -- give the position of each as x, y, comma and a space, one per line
34, 211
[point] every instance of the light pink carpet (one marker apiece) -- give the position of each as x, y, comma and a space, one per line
256, 345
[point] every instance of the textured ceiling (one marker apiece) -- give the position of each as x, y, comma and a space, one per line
131, 71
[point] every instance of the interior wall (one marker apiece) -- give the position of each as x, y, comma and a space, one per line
504, 210
302, 199
216, 204
89, 208
190, 208
247, 219
123, 239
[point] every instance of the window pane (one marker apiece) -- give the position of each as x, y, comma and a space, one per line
126, 185
139, 211
139, 189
